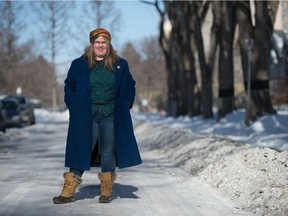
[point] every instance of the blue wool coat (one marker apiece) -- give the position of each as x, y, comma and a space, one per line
78, 100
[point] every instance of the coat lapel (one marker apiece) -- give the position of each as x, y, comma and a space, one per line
85, 74
118, 75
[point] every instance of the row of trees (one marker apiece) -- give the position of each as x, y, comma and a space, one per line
183, 47
233, 24
19, 67
22, 63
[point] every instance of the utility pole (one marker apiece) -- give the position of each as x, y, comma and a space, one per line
53, 55
250, 45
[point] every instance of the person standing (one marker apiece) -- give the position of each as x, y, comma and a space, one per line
99, 93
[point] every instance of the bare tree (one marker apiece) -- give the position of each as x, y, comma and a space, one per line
199, 8
215, 38
95, 14
36, 79
225, 10
130, 53
179, 48
12, 53
104, 14
53, 20
261, 34
185, 40
148, 68
153, 71
90, 15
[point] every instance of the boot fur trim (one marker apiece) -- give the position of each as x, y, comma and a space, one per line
76, 177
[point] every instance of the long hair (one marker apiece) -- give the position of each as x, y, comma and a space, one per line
110, 58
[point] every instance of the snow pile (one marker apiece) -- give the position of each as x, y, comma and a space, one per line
268, 131
45, 116
255, 178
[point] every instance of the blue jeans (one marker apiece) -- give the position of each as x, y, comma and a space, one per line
103, 132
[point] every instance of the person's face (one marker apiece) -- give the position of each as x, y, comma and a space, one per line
100, 48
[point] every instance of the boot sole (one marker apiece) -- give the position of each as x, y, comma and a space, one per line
63, 200
104, 200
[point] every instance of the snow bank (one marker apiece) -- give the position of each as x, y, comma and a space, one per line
268, 131
255, 178
45, 116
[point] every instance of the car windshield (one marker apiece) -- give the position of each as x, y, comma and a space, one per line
21, 100
9, 105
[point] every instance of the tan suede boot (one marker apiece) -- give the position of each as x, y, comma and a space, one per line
106, 179
70, 184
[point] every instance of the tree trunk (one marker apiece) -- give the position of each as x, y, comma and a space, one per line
206, 75
260, 78
165, 43
180, 60
226, 66
214, 38
261, 35
184, 40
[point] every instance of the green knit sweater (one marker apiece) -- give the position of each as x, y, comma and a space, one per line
102, 89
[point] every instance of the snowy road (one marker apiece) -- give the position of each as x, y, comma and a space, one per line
31, 166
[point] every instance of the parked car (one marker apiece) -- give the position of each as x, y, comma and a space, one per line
12, 109
2, 118
26, 107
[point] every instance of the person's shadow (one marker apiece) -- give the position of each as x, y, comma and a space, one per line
119, 191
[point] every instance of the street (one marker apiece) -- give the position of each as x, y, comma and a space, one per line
32, 170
